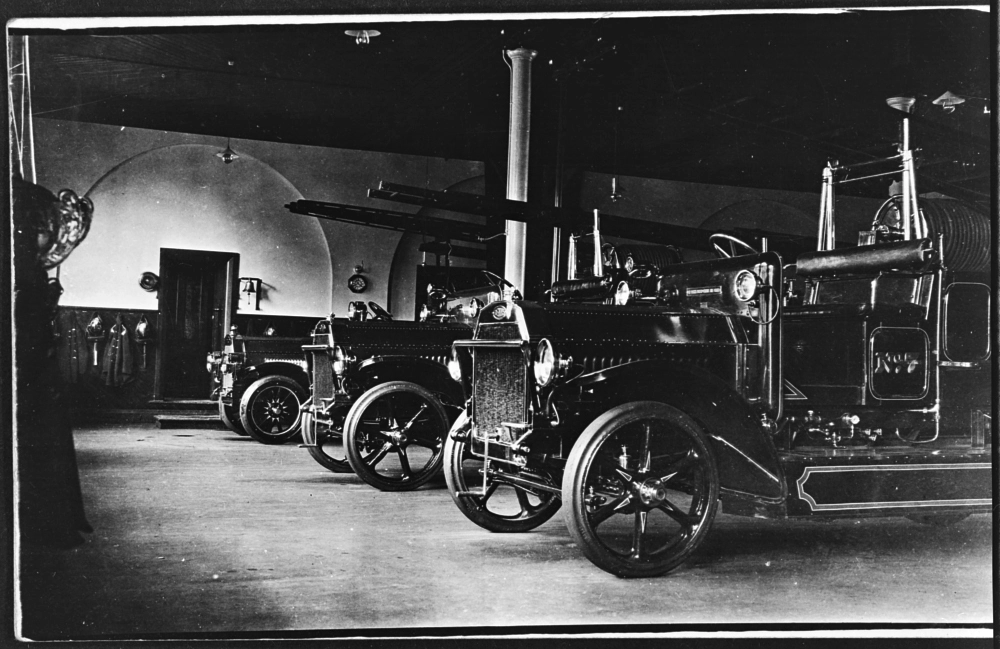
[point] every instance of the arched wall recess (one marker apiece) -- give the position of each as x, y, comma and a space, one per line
763, 214
182, 196
403, 273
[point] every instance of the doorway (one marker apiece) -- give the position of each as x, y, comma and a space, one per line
197, 299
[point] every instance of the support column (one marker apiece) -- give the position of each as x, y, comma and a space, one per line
558, 193
519, 132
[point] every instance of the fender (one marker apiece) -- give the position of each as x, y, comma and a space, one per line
424, 372
250, 374
747, 459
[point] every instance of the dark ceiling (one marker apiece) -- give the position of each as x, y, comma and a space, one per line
750, 100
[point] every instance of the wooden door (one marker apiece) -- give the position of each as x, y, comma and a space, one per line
197, 298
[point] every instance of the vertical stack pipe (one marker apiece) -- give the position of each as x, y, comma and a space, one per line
519, 132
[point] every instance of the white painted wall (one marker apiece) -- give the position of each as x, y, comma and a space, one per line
156, 188
182, 196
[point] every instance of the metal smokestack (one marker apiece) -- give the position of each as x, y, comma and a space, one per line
517, 159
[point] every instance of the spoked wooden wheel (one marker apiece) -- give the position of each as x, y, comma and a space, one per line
329, 441
393, 436
496, 506
269, 409
642, 489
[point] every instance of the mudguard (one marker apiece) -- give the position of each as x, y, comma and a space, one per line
747, 459
424, 372
250, 374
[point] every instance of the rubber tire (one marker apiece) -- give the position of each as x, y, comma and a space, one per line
336, 465
230, 419
453, 453
254, 392
579, 462
353, 420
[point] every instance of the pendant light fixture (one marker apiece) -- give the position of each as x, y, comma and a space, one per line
363, 36
227, 154
617, 190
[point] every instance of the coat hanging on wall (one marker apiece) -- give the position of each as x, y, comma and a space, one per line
118, 359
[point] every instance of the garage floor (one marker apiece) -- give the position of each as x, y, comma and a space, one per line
205, 533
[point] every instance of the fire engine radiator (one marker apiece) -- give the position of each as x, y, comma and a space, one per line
322, 377
500, 388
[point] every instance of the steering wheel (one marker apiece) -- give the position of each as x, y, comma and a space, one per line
888, 221
733, 242
496, 281
642, 271
380, 313
499, 282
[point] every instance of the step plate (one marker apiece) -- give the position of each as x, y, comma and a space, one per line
189, 421
889, 488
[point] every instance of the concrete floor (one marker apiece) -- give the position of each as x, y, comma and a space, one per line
204, 532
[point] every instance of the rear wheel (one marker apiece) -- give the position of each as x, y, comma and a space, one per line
496, 506
641, 488
231, 419
393, 436
269, 409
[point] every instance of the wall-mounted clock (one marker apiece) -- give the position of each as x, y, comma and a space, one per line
357, 283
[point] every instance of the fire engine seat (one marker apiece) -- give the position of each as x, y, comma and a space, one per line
886, 277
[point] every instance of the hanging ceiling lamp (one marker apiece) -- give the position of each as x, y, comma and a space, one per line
227, 154
904, 104
948, 101
617, 190
363, 36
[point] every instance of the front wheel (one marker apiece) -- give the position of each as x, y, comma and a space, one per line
269, 409
492, 504
231, 419
393, 436
642, 488
328, 449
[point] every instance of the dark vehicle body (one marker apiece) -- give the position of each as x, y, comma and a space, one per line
262, 382
396, 373
859, 385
